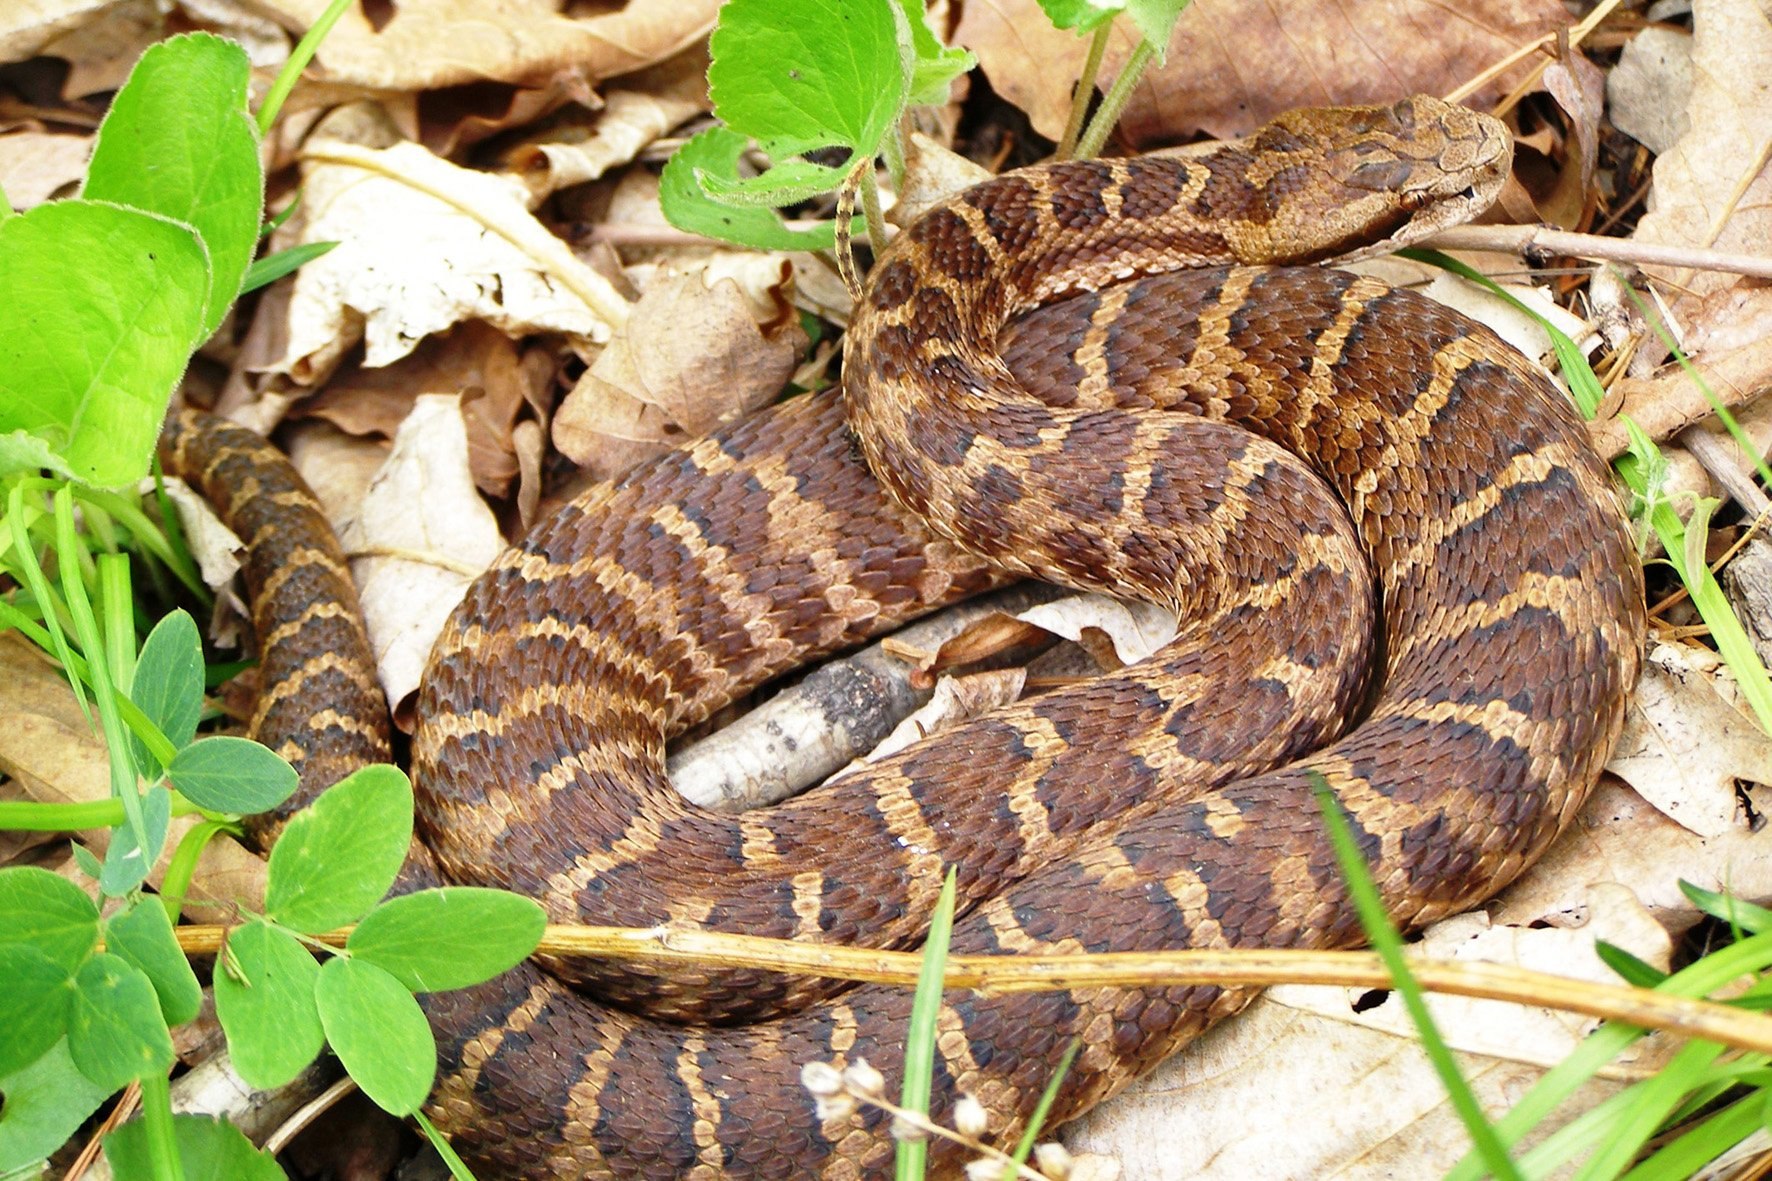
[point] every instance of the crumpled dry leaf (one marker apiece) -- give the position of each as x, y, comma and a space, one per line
1579, 87
474, 359
1301, 1085
421, 536
693, 357
425, 44
1683, 746
36, 165
1647, 91
99, 39
956, 699
1131, 631
1713, 187
630, 120
424, 245
1309, 55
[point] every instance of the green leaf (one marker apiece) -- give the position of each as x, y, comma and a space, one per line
1732, 910
715, 153
45, 1103
267, 1008
22, 453
339, 855
115, 1031
919, 1039
48, 913
378, 1032
272, 267
126, 866
448, 938
934, 66
788, 183
141, 933
85, 860
1632, 970
168, 685
229, 774
1155, 19
209, 1149
179, 141
100, 307
34, 1004
1085, 16
802, 74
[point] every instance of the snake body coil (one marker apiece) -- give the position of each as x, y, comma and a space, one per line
1055, 371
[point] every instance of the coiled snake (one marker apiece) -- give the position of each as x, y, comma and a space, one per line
1102, 439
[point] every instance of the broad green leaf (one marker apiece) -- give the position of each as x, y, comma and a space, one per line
229, 774
802, 74
209, 1149
268, 1011
1155, 20
934, 66
115, 1030
126, 866
142, 934
448, 938
22, 453
34, 1004
179, 141
1082, 15
100, 307
378, 1032
788, 183
339, 855
715, 153
47, 912
43, 1105
168, 685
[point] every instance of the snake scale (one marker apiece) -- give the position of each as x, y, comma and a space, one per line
1069, 372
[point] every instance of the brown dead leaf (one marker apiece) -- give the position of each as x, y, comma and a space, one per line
1671, 401
421, 536
1232, 66
1713, 187
630, 120
425, 44
693, 357
1648, 90
1683, 746
1579, 87
473, 359
424, 245
35, 165
99, 39
1115, 633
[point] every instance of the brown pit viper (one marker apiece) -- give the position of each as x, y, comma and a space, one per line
1074, 372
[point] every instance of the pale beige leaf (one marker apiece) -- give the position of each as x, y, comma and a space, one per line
694, 356
425, 44
1713, 187
630, 120
35, 165
421, 536
1648, 90
99, 39
1132, 630
1684, 747
424, 245
1232, 66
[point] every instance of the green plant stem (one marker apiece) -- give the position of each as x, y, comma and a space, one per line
894, 147
176, 882
1024, 1147
919, 1039
138, 722
870, 209
298, 61
1118, 95
32, 816
162, 1139
1389, 946
1085, 90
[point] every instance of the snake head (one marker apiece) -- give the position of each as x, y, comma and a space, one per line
1349, 182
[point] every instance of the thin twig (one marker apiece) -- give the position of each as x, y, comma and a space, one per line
307, 1113
1234, 968
1519, 239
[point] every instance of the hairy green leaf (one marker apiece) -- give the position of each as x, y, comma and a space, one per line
378, 1032
686, 204
448, 938
267, 1009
